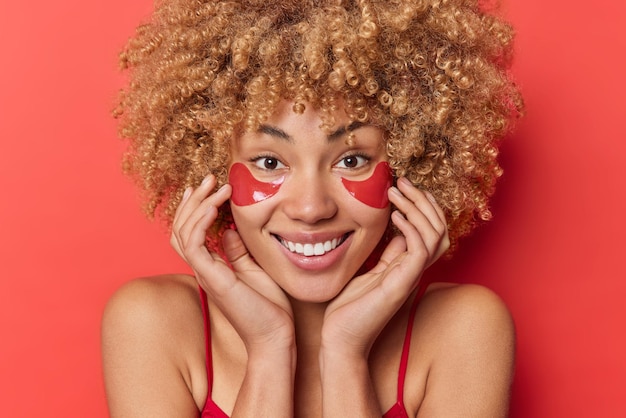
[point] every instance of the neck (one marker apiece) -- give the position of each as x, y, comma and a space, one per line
308, 321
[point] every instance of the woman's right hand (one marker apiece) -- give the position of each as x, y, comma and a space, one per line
253, 303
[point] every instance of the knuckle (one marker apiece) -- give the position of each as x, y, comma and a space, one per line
445, 243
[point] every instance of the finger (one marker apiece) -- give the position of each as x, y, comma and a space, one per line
416, 245
392, 251
193, 243
244, 265
425, 202
173, 239
428, 252
444, 242
193, 198
440, 213
418, 222
176, 246
444, 245
421, 212
211, 271
234, 249
214, 200
191, 202
183, 200
182, 213
400, 273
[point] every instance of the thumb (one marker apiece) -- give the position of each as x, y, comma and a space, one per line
248, 271
396, 247
235, 251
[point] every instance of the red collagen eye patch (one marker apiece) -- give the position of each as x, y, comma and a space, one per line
372, 191
246, 189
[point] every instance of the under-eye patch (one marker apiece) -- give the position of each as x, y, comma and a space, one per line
246, 189
373, 190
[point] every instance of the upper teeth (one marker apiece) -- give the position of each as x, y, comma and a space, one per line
310, 249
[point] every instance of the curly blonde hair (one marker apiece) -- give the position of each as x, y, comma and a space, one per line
431, 73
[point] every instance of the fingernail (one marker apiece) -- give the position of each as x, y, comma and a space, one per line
395, 190
405, 181
186, 193
206, 180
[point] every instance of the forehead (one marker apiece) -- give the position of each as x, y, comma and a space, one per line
290, 113
303, 123
326, 114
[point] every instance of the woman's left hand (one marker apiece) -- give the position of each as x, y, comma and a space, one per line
358, 314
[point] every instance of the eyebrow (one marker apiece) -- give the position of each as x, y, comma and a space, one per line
333, 136
341, 131
275, 132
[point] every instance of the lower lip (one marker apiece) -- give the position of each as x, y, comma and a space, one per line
317, 262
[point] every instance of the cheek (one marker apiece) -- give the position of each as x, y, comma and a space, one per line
372, 191
246, 189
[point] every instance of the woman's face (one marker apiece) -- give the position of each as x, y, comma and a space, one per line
309, 205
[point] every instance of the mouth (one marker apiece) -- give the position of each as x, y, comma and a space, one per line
310, 249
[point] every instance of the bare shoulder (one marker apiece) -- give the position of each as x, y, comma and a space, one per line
152, 340
147, 296
152, 307
470, 353
466, 309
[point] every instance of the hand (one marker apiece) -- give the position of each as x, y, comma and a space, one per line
358, 314
251, 301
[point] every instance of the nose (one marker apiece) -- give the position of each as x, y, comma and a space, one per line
309, 198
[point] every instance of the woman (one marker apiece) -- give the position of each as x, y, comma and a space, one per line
313, 159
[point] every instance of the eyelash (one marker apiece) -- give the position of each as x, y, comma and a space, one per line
360, 155
256, 160
259, 158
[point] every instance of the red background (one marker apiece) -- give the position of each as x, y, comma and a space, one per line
71, 230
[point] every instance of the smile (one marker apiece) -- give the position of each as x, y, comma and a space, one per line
312, 249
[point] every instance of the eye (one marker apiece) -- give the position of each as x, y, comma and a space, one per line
268, 163
353, 161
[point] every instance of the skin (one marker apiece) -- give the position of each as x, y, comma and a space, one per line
295, 333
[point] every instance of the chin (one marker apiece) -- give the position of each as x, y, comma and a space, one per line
321, 292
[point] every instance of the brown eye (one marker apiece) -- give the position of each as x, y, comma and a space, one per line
352, 161
268, 163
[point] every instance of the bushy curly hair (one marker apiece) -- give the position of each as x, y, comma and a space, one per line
431, 73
